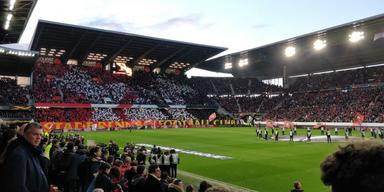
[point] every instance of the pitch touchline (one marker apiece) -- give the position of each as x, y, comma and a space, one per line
215, 182
209, 155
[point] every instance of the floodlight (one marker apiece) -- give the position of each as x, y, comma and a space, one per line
11, 4
228, 66
8, 20
356, 36
9, 17
290, 51
6, 26
319, 44
243, 62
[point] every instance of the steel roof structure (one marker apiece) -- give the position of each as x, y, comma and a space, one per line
83, 44
21, 11
267, 62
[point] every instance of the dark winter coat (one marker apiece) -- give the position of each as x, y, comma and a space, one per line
23, 171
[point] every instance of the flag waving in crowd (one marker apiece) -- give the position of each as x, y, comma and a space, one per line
212, 116
288, 124
319, 125
358, 120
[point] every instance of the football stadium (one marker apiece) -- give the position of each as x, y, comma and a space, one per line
90, 109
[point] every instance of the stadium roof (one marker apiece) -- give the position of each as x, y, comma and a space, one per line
268, 61
89, 44
21, 11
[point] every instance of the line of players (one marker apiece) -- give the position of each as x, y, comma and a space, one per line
263, 133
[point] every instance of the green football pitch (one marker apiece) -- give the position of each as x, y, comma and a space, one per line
265, 166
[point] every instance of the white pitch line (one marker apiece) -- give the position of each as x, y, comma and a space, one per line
236, 188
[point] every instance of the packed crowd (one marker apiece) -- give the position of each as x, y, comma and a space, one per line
45, 88
222, 85
330, 106
233, 86
142, 114
250, 104
260, 103
104, 114
80, 82
30, 161
116, 114
13, 94
173, 91
71, 166
310, 98
341, 79
324, 106
74, 84
203, 84
64, 163
62, 115
71, 84
315, 98
229, 103
179, 114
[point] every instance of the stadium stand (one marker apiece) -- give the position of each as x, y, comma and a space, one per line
330, 106
307, 98
62, 115
337, 96
142, 114
93, 85
341, 79
233, 86
13, 94
200, 113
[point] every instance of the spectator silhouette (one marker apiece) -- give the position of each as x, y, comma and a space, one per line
297, 187
355, 167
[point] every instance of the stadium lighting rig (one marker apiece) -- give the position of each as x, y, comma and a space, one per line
122, 59
51, 52
8, 21
290, 51
319, 44
12, 4
356, 36
178, 65
243, 62
228, 66
147, 62
6, 51
21, 53
9, 16
96, 56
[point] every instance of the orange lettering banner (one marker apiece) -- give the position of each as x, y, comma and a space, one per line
80, 125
